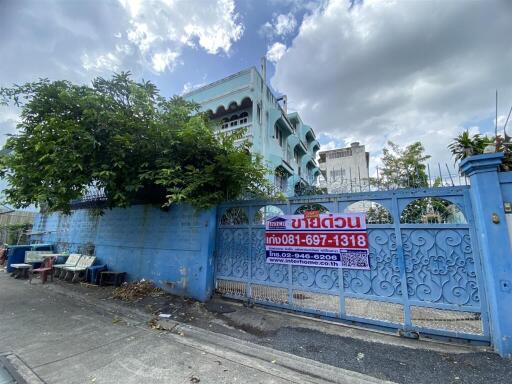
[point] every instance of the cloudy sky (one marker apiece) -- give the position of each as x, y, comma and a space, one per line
367, 71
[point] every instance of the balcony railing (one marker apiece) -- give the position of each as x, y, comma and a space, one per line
235, 123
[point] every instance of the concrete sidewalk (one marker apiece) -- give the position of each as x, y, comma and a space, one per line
68, 338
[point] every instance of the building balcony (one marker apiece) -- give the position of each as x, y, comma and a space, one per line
230, 129
314, 146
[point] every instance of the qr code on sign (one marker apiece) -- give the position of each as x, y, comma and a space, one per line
355, 260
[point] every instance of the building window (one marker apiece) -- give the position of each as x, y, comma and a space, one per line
233, 121
281, 181
278, 135
258, 113
345, 152
337, 174
296, 156
225, 123
244, 117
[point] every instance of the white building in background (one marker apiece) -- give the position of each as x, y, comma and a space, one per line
345, 170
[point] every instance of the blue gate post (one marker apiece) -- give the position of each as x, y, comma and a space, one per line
208, 252
496, 258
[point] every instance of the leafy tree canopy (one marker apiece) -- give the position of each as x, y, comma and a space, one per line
404, 167
465, 145
125, 139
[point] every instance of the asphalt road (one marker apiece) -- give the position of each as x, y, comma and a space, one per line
394, 363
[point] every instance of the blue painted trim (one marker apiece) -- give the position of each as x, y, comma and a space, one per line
477, 252
401, 264
488, 162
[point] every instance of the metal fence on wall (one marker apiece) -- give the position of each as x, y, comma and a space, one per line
436, 175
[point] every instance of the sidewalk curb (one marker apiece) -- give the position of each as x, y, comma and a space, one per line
22, 373
280, 364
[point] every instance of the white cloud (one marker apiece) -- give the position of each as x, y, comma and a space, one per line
189, 87
275, 52
160, 30
330, 145
401, 71
281, 25
107, 62
163, 60
285, 24
78, 41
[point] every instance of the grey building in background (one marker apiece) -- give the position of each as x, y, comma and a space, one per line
345, 169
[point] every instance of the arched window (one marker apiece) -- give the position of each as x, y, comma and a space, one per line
244, 117
246, 102
281, 179
375, 213
220, 110
233, 121
278, 135
432, 210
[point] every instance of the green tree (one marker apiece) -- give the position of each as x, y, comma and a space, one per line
406, 168
125, 139
403, 167
465, 145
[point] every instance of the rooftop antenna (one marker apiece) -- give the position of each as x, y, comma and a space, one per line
496, 124
505, 125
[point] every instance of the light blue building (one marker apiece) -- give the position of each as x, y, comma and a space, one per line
286, 144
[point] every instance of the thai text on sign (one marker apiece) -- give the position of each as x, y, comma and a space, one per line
327, 240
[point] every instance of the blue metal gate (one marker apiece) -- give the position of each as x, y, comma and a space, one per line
425, 268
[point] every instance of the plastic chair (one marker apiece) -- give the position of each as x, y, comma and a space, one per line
45, 269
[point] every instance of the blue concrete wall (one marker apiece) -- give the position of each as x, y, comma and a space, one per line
174, 249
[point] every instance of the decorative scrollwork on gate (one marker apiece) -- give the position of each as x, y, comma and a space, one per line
383, 279
440, 267
233, 258
326, 279
260, 269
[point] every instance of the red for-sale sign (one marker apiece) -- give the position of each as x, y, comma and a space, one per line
325, 240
